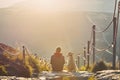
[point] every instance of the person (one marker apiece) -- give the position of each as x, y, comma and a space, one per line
57, 60
71, 63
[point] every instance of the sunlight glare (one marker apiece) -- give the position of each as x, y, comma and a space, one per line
44, 5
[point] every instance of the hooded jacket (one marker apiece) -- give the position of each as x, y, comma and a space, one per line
57, 62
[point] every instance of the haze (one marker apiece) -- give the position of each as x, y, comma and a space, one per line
43, 25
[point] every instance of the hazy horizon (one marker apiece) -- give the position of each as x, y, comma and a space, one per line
60, 5
43, 25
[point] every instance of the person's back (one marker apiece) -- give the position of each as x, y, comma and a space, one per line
57, 60
71, 63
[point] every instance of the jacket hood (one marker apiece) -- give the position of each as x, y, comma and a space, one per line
57, 54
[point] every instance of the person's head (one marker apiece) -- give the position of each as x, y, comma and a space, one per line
58, 50
70, 54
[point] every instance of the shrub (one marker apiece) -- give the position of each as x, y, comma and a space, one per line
101, 65
91, 78
109, 65
82, 68
3, 70
45, 66
34, 63
29, 70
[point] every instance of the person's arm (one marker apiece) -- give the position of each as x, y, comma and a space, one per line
63, 60
51, 60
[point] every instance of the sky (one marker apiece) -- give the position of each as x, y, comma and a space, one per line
20, 23
89, 5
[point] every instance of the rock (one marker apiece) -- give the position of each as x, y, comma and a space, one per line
108, 75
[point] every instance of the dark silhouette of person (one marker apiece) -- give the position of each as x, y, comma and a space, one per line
57, 60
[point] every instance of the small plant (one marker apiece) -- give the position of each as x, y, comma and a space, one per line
45, 66
3, 70
91, 78
82, 68
29, 69
34, 63
99, 66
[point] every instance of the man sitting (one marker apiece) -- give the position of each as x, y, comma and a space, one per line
57, 60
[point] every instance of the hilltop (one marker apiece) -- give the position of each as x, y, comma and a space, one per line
12, 62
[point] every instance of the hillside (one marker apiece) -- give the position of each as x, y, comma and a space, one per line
12, 64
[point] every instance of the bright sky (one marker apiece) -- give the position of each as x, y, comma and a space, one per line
92, 5
41, 28
8, 3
